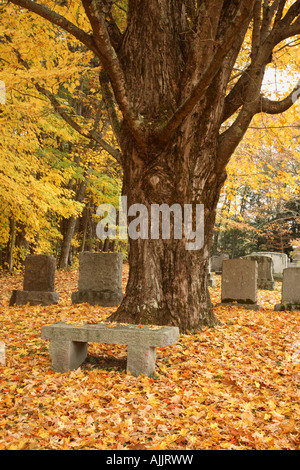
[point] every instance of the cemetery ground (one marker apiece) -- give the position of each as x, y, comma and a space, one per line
233, 386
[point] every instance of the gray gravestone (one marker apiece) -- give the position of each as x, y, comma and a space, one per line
239, 283
38, 283
100, 279
280, 262
39, 273
265, 269
216, 262
290, 293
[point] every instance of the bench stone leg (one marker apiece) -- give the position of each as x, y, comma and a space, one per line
67, 355
141, 360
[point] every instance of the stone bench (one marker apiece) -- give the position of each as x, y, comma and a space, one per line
68, 343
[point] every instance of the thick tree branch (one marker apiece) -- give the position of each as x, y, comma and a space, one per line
229, 140
109, 103
276, 107
289, 25
58, 20
236, 97
95, 11
254, 103
281, 5
242, 16
287, 31
256, 29
292, 13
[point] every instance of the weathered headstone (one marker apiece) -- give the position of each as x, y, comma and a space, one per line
100, 279
239, 283
265, 269
2, 353
216, 262
38, 283
280, 262
290, 292
39, 273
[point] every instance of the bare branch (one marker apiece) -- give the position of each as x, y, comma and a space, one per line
287, 31
276, 107
246, 92
230, 139
279, 11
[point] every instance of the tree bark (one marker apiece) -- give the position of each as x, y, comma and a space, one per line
67, 242
168, 284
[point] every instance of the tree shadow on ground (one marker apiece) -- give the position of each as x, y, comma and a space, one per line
93, 362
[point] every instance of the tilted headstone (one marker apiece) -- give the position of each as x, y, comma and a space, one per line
239, 283
290, 291
280, 262
2, 353
100, 279
38, 282
265, 269
216, 262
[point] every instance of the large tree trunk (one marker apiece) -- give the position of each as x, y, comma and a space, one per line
168, 284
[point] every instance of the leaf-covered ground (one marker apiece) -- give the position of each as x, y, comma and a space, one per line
235, 386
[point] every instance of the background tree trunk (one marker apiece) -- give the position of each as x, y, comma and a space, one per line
12, 245
71, 224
